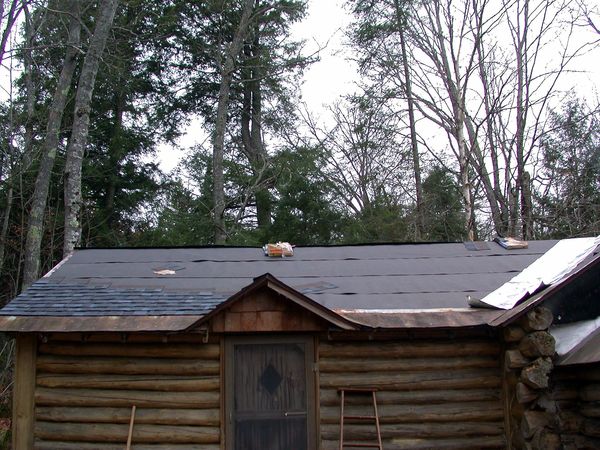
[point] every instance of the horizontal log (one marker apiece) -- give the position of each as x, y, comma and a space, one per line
577, 442
126, 365
532, 421
450, 379
547, 440
408, 349
474, 443
561, 392
568, 374
480, 442
413, 430
204, 417
55, 445
591, 410
537, 319
167, 383
335, 365
524, 393
135, 337
448, 412
569, 421
590, 393
538, 343
331, 397
591, 427
536, 374
513, 333
114, 398
92, 432
514, 359
207, 351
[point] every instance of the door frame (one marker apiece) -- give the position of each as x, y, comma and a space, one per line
311, 388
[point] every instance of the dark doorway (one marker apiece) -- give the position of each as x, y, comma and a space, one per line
270, 394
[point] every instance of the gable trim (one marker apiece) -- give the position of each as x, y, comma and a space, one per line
268, 281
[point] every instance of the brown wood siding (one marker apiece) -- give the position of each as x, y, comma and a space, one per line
266, 311
576, 391
85, 390
431, 394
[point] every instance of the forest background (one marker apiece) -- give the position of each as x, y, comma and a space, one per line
468, 119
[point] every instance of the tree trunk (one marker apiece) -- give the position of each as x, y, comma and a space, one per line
523, 193
11, 18
458, 109
81, 120
49, 149
221, 121
420, 222
28, 65
251, 124
498, 202
5, 223
465, 183
480, 167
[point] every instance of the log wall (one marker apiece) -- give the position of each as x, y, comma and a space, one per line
442, 394
85, 391
576, 395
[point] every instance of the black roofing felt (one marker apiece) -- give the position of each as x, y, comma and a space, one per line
383, 277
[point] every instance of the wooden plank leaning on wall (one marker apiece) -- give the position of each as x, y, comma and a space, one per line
23, 394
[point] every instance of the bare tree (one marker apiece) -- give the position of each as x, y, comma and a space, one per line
490, 97
81, 120
9, 13
441, 73
402, 24
362, 153
50, 147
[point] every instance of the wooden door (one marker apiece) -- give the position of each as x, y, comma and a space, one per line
270, 394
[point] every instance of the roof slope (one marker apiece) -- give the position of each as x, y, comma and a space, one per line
377, 279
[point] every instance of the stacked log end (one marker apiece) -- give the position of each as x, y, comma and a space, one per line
528, 362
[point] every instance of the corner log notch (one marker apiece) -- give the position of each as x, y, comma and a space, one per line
528, 363
24, 391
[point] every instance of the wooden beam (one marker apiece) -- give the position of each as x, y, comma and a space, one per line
23, 394
130, 435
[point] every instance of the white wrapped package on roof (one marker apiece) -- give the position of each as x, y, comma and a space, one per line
550, 268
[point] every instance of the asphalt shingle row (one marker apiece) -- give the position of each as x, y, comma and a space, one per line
49, 299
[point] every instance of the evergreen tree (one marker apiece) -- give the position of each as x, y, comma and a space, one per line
569, 204
443, 207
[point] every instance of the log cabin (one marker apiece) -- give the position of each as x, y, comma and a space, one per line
389, 346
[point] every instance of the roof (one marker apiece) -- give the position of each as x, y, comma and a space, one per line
395, 285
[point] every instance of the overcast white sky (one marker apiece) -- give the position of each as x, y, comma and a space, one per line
333, 75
